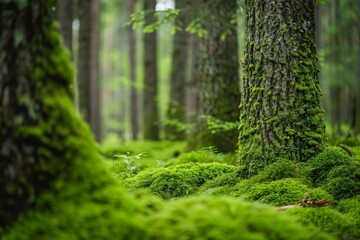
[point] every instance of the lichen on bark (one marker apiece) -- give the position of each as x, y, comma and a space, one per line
280, 113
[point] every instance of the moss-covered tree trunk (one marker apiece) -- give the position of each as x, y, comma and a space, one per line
218, 68
31, 141
281, 115
150, 104
176, 110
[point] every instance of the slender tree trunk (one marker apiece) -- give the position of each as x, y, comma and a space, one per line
176, 110
134, 95
281, 115
64, 14
150, 109
88, 69
219, 92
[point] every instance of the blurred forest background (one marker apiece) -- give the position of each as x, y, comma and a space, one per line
141, 82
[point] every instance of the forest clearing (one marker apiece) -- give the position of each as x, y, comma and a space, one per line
179, 119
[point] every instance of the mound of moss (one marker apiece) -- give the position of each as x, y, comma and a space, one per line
224, 218
336, 172
178, 181
328, 220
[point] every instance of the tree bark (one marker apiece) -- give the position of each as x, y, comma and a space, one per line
176, 109
88, 65
134, 95
218, 67
64, 14
150, 109
281, 115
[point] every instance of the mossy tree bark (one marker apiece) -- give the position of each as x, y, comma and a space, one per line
150, 104
357, 98
31, 141
176, 111
218, 69
281, 115
88, 65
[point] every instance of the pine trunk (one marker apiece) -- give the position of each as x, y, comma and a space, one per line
281, 115
150, 109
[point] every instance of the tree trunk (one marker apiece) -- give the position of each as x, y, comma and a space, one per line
281, 115
134, 95
88, 69
176, 110
357, 111
35, 93
150, 109
64, 14
218, 68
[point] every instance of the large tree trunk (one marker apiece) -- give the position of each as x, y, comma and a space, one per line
281, 115
64, 14
150, 105
134, 95
35, 92
88, 69
218, 68
176, 110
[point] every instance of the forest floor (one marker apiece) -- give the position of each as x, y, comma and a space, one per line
323, 193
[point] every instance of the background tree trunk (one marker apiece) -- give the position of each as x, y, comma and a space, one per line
64, 14
218, 67
281, 115
134, 95
150, 109
88, 69
176, 109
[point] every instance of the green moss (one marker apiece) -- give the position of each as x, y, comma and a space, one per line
327, 220
277, 193
178, 181
210, 218
325, 161
195, 157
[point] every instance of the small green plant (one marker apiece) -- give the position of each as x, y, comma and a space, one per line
131, 163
